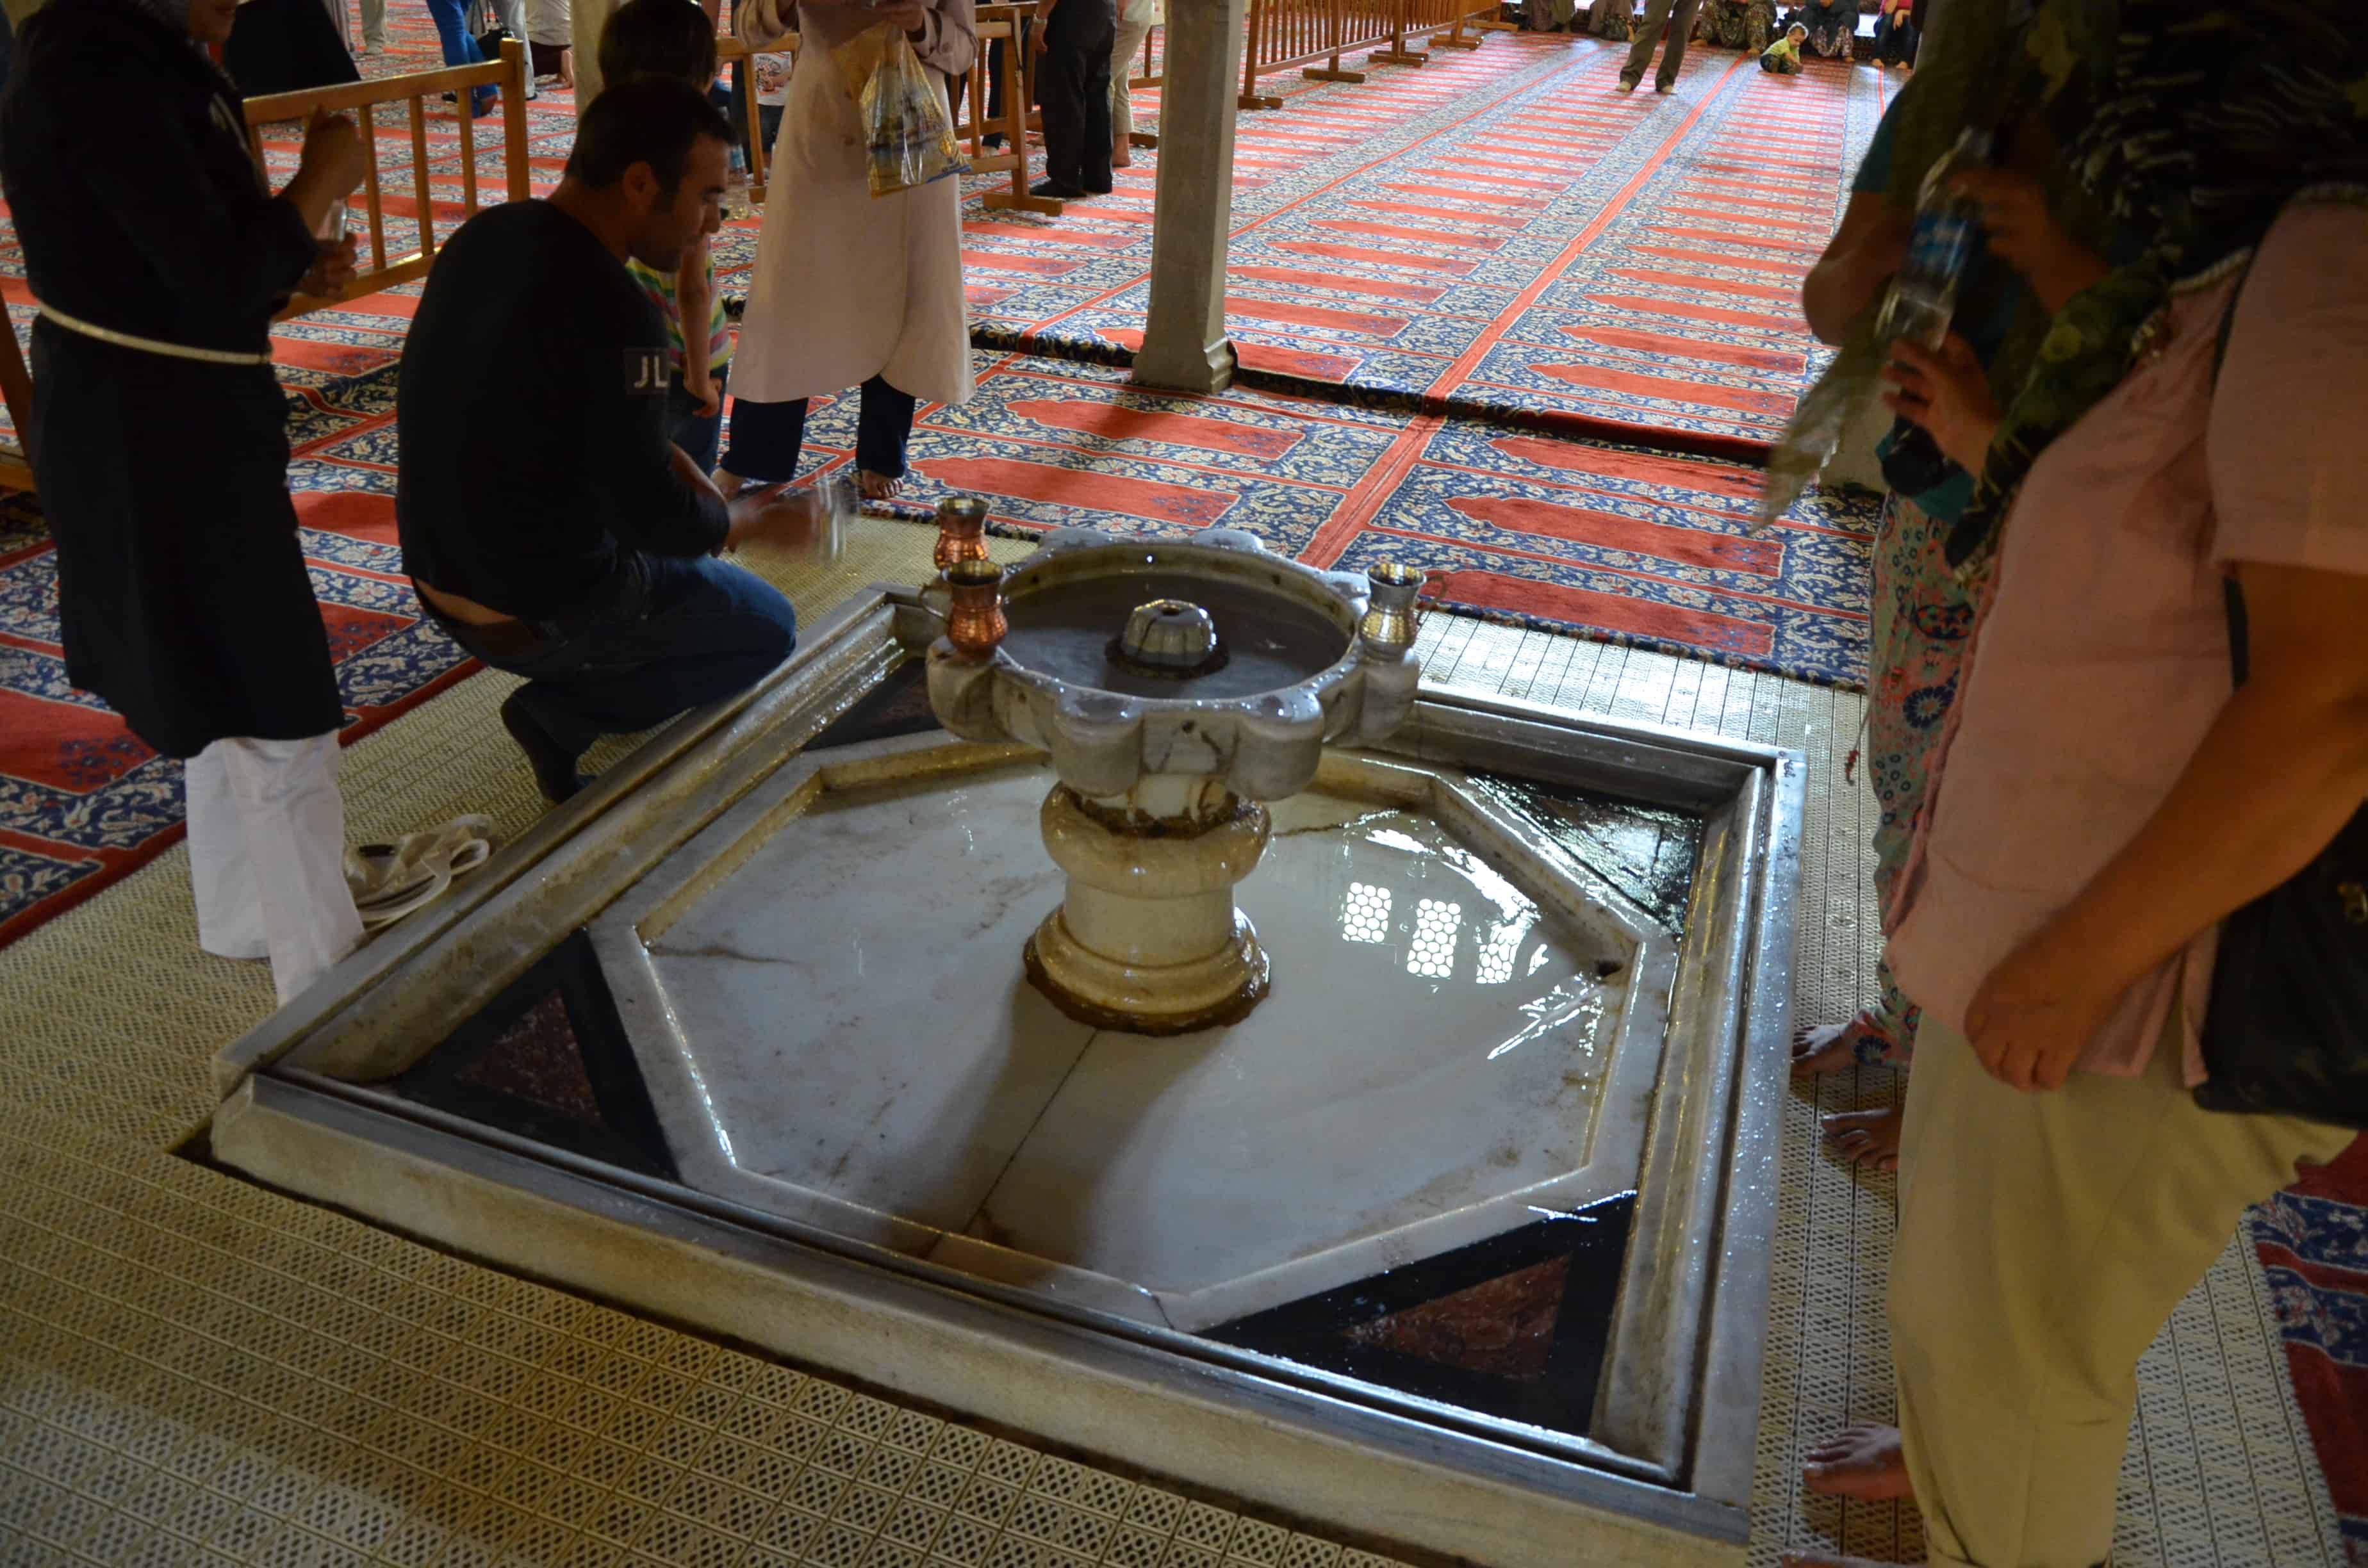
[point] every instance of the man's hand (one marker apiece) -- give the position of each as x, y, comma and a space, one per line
334, 154
702, 392
910, 14
332, 272
2038, 1010
1036, 44
781, 514
1945, 393
2023, 234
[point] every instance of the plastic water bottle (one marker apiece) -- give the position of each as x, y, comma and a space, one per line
736, 203
1923, 293
1922, 298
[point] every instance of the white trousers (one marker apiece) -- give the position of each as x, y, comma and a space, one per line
267, 856
373, 24
1135, 21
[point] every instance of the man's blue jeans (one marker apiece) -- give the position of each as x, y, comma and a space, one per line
665, 636
460, 47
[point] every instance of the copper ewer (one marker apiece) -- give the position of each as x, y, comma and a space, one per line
962, 532
974, 624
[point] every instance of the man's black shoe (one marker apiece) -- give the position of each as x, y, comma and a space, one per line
1060, 192
553, 765
1098, 191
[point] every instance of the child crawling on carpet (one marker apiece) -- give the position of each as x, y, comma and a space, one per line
666, 37
1783, 56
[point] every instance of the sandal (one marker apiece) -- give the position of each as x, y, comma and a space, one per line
391, 880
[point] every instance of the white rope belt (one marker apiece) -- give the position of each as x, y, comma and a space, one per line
152, 346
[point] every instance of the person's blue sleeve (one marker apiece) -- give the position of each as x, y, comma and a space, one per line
1874, 170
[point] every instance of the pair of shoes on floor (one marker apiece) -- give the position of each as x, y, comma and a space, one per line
390, 881
554, 765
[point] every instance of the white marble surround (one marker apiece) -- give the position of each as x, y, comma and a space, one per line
825, 992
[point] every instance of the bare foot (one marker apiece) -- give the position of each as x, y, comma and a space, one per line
1121, 158
1865, 1138
1864, 1464
1829, 1048
875, 486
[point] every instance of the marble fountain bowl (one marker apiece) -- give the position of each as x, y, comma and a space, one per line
1176, 688
1454, 1237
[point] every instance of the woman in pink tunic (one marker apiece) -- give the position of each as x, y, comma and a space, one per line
2100, 799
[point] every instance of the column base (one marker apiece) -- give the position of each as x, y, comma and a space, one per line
1148, 999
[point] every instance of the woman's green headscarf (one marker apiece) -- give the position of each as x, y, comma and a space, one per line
2188, 123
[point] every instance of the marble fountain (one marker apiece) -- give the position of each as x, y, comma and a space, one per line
1117, 1001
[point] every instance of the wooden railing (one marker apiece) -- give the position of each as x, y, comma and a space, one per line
752, 118
971, 125
1018, 70
1286, 33
409, 94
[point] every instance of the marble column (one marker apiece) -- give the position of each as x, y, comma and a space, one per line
1184, 344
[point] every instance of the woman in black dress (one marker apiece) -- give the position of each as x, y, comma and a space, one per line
159, 442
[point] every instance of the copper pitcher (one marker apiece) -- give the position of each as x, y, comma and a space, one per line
975, 622
962, 532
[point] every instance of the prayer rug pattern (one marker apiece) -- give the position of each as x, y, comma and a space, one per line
1624, 543
2313, 1243
1494, 234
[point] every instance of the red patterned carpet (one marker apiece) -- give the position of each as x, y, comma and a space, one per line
1498, 233
1345, 193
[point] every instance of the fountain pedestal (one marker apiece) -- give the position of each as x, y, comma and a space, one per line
1147, 938
1177, 687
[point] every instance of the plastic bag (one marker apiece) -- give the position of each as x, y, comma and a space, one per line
908, 140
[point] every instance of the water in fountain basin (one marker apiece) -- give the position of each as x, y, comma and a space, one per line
1067, 629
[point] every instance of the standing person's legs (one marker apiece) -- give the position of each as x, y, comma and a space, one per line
291, 822
766, 440
1100, 141
883, 428
1681, 27
1649, 27
1123, 50
222, 878
2043, 1241
1061, 79
1090, 49
373, 26
460, 47
452, 31
513, 15
1920, 620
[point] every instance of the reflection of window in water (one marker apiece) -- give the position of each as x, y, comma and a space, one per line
1365, 914
1432, 952
1500, 951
